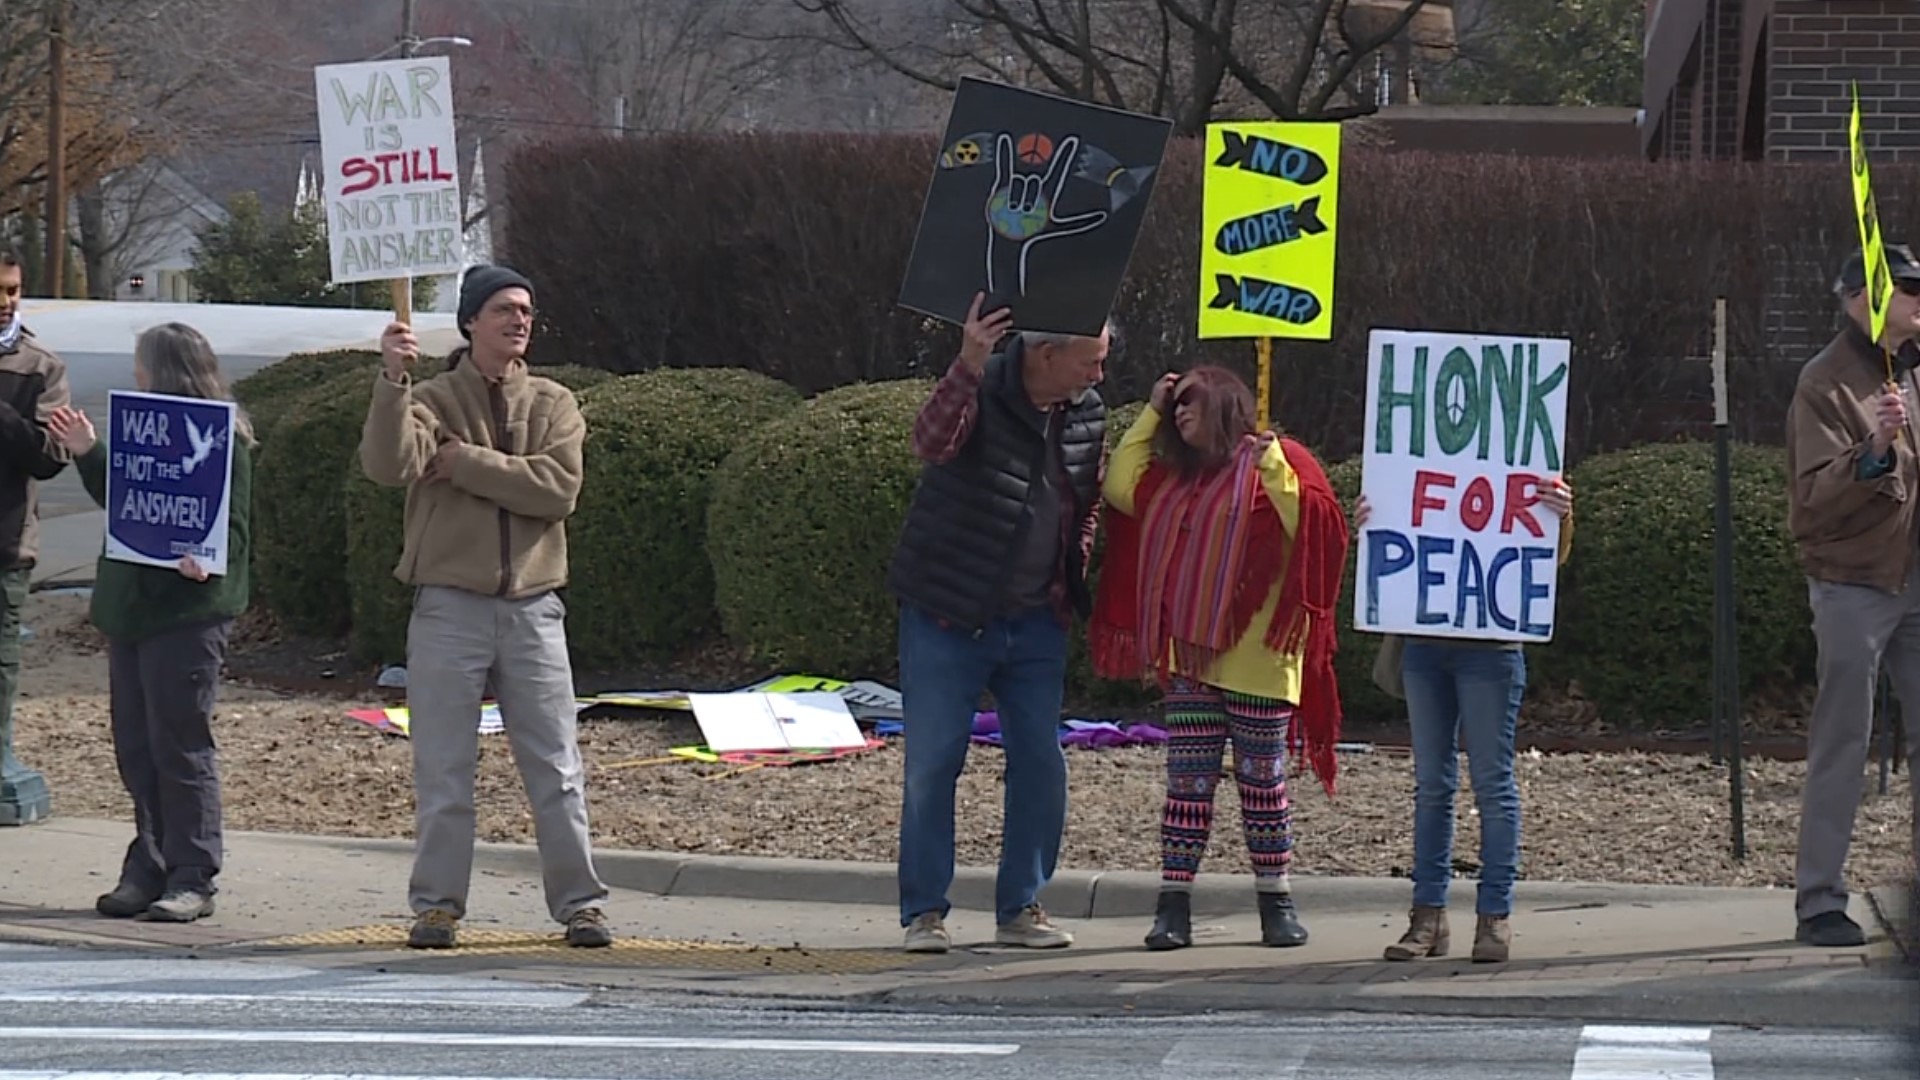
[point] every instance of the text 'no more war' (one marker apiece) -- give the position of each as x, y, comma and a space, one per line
1250, 266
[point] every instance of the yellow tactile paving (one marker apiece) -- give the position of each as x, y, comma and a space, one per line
625, 951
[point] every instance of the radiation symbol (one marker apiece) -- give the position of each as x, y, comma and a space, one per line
966, 152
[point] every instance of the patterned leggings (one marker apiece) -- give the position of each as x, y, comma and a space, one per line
1200, 719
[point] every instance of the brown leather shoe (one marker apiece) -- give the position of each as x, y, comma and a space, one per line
1427, 935
1492, 938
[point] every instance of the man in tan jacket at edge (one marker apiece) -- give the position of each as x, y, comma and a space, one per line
490, 457
1854, 485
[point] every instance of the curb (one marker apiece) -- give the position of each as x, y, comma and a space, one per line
1898, 911
1073, 894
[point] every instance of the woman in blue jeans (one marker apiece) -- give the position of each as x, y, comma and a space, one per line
1462, 690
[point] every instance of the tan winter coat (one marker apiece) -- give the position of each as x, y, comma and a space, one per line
496, 524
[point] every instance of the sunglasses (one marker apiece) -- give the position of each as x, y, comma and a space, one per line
1907, 287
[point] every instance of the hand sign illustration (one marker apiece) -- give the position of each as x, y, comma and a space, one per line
1023, 208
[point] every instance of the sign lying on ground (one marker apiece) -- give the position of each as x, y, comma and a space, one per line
1036, 200
1461, 431
760, 721
169, 479
1872, 245
1269, 219
387, 144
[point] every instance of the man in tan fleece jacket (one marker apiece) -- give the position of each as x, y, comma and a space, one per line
490, 457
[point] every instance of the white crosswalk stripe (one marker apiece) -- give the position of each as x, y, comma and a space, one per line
1613, 1052
1214, 1058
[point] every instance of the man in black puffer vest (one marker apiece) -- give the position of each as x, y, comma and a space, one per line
990, 571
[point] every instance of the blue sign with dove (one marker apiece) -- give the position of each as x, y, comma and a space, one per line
169, 479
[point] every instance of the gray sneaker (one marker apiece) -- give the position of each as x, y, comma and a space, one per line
180, 905
928, 934
1031, 929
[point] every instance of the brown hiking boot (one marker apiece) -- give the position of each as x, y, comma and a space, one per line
1492, 936
588, 929
1427, 935
433, 929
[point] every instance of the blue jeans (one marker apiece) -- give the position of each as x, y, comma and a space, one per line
1463, 693
1022, 659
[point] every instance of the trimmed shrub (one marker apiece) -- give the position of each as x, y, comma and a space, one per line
267, 394
1635, 633
379, 605
374, 518
804, 517
299, 517
574, 377
641, 577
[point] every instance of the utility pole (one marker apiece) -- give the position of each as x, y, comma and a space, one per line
57, 147
403, 287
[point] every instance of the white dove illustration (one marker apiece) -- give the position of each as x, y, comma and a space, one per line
203, 444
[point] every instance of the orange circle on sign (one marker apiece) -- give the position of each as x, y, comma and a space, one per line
1035, 149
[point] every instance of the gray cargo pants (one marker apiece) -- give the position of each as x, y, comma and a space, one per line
1855, 626
163, 689
455, 641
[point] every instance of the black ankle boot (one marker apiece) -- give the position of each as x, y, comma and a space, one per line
1172, 922
1279, 926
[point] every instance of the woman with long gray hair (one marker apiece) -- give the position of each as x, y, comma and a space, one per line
166, 629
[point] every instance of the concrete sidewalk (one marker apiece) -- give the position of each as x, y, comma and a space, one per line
828, 932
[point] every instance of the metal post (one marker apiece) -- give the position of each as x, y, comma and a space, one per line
1726, 651
1883, 721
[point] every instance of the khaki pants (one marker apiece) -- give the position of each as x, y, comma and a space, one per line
455, 641
1856, 627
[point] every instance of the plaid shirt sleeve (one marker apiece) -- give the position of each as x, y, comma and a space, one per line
1090, 525
946, 420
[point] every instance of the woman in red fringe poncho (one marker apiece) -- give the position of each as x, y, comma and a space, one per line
1223, 562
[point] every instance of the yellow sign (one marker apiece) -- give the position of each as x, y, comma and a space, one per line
1268, 220
1879, 281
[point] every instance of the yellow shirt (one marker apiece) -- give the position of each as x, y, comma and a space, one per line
1249, 667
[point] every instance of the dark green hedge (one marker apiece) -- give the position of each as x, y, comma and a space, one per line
803, 521
641, 579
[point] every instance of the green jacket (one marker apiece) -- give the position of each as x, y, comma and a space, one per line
132, 602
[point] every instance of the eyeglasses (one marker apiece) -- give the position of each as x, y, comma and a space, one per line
1906, 287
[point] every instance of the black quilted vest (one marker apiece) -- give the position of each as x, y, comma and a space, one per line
967, 517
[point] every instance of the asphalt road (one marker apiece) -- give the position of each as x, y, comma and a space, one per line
89, 377
71, 1014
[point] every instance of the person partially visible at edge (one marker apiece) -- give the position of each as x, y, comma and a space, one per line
1854, 481
33, 383
490, 455
1465, 690
989, 571
166, 631
1225, 548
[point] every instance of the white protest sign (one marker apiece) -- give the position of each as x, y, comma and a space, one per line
1461, 430
757, 721
387, 145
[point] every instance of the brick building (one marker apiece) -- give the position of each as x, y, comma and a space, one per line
1768, 80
